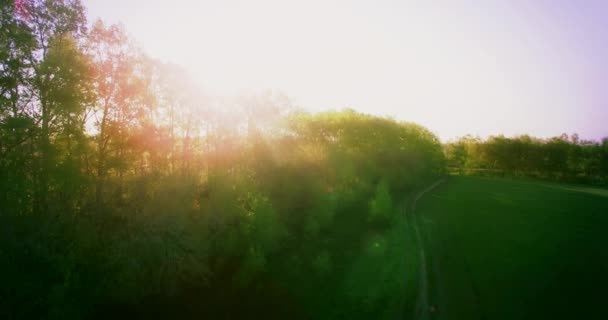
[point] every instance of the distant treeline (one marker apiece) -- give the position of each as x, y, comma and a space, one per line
563, 158
125, 193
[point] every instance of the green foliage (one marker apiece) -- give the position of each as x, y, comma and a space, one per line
371, 287
119, 194
124, 191
558, 158
381, 206
322, 263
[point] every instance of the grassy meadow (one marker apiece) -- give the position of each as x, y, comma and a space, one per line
515, 249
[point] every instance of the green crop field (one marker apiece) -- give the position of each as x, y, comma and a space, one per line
507, 249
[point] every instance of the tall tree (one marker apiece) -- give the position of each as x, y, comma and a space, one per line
121, 91
55, 26
41, 81
17, 125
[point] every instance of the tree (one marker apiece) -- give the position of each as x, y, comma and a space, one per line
120, 87
18, 126
56, 27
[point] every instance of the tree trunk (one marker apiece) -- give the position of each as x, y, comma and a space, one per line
45, 165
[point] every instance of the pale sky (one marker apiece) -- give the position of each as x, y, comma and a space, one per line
456, 67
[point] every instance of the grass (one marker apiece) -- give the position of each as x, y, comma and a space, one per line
508, 249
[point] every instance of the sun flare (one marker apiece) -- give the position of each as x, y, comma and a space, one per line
436, 65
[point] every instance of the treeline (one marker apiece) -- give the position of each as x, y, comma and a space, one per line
125, 191
563, 158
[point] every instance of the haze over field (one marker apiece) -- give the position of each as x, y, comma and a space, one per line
460, 67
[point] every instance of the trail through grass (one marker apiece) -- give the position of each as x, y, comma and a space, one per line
422, 307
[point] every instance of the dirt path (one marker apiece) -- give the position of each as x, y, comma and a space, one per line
422, 302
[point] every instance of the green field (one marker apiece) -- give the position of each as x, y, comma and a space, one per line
508, 249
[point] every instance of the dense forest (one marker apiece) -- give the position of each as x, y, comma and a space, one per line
125, 190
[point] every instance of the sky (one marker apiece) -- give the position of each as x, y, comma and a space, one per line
457, 67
